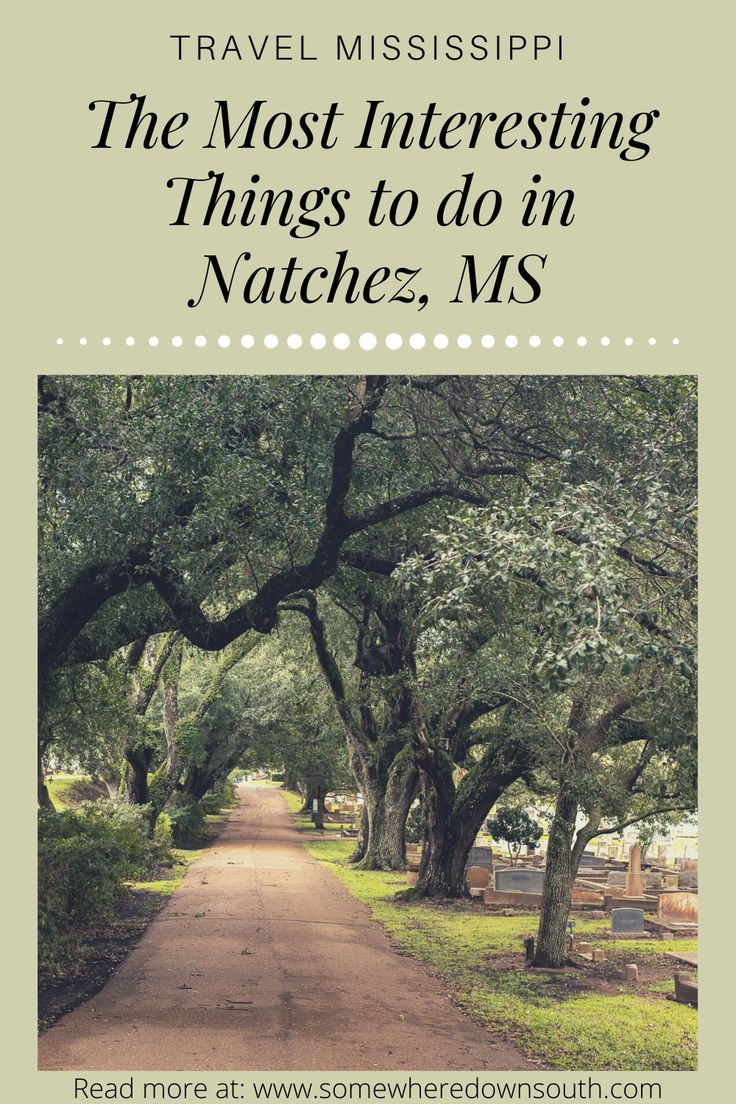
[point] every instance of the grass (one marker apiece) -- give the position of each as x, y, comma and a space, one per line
295, 802
547, 1014
165, 886
66, 791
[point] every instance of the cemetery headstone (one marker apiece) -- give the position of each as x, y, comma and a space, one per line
519, 881
686, 988
627, 920
678, 908
480, 856
634, 880
477, 877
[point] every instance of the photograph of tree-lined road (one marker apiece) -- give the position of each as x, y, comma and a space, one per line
454, 614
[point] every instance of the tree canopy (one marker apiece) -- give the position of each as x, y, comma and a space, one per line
441, 587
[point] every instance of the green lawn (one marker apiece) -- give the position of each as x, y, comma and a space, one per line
545, 1013
68, 790
171, 880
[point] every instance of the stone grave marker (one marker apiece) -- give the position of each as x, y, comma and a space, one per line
480, 856
616, 878
590, 859
519, 881
688, 879
477, 878
627, 920
634, 880
686, 988
678, 908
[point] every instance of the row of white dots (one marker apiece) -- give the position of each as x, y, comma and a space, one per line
369, 341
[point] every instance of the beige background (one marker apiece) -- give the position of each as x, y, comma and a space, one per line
92, 255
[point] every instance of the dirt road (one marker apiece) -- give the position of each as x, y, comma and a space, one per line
263, 961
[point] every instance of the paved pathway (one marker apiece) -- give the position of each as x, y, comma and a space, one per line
262, 960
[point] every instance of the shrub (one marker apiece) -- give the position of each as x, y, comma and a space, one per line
186, 819
163, 838
212, 802
84, 857
130, 824
81, 866
224, 794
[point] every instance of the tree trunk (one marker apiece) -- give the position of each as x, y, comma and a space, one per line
454, 816
443, 873
136, 775
361, 844
44, 797
167, 776
387, 807
312, 794
291, 782
551, 950
319, 814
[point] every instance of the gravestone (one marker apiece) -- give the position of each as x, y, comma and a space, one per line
616, 878
581, 895
519, 881
477, 877
686, 988
634, 880
678, 908
627, 920
662, 853
670, 881
589, 859
480, 856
